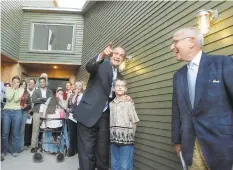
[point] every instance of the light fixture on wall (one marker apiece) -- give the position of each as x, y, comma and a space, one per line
128, 59
205, 18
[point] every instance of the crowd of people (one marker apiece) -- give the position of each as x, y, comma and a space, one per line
102, 120
24, 103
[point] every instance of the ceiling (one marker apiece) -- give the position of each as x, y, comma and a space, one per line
5, 59
49, 66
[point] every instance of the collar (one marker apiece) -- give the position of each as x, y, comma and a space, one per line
116, 101
196, 60
43, 89
31, 90
114, 69
70, 91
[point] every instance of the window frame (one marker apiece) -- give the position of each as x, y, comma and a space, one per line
31, 39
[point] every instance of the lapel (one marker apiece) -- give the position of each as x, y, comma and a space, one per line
205, 68
185, 90
47, 93
110, 75
39, 91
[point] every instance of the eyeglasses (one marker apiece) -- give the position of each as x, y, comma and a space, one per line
174, 42
122, 86
116, 53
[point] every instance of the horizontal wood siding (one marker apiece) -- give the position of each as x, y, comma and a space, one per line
30, 17
11, 23
145, 29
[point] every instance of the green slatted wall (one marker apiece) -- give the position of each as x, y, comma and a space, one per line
145, 30
11, 23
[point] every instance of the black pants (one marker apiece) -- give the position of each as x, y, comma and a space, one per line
57, 133
28, 135
73, 136
93, 145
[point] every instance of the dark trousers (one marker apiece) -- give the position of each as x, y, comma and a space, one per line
73, 136
28, 134
93, 145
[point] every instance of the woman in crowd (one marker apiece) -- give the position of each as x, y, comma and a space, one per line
12, 116
25, 104
56, 107
74, 100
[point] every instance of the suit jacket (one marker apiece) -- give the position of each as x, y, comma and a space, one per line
37, 99
211, 119
91, 106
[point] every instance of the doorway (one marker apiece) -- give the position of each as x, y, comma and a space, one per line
54, 83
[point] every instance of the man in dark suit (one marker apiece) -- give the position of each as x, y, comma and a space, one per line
202, 104
92, 113
39, 97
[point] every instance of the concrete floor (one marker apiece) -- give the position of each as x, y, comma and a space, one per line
24, 162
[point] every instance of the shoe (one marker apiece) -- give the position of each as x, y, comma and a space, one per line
26, 147
33, 150
15, 154
56, 141
70, 153
2, 159
3, 154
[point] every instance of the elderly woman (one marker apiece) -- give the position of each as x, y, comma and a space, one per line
72, 102
55, 109
12, 116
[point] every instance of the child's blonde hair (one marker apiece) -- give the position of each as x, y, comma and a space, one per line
119, 79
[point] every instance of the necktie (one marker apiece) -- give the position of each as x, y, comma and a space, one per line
113, 78
192, 75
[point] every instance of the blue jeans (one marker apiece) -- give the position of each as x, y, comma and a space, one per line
14, 118
122, 157
22, 129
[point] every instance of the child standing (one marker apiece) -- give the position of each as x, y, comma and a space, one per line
123, 119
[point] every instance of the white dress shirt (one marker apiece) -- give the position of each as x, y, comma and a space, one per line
192, 72
196, 60
31, 91
43, 93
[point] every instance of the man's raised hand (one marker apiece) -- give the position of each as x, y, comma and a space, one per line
107, 51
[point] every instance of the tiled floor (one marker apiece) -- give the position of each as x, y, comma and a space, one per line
24, 162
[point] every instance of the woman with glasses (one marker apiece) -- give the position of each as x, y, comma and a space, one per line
73, 101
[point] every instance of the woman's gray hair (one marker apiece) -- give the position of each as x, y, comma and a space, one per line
81, 82
193, 32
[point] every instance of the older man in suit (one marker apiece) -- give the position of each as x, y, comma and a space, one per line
202, 104
92, 113
39, 97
